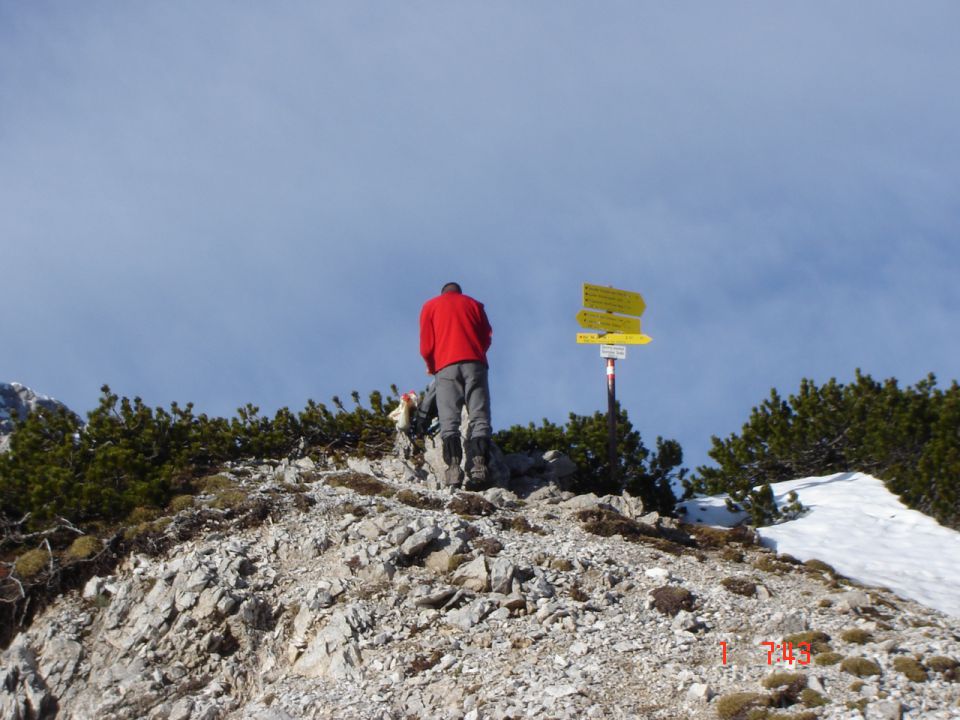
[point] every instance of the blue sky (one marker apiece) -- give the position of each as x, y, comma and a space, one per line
232, 202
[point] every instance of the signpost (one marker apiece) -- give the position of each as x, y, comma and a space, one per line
620, 331
617, 352
608, 321
612, 339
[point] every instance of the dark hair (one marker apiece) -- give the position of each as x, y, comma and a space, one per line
451, 287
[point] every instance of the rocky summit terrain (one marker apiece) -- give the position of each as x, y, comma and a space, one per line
18, 401
359, 589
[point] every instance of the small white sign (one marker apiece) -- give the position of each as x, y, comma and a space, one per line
617, 352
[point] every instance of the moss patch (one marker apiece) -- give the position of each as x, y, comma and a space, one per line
861, 667
83, 548
32, 563
671, 599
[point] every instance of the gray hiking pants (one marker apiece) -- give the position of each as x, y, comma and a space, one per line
459, 384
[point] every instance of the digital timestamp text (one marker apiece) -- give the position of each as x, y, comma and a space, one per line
785, 652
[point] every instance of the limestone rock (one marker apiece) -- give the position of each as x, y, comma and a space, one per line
473, 575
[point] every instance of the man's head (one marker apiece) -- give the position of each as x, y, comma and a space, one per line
451, 287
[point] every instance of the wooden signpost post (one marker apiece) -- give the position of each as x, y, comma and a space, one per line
620, 330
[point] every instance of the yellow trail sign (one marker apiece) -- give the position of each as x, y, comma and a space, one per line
613, 339
606, 321
600, 297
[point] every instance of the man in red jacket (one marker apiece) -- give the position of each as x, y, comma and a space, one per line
454, 338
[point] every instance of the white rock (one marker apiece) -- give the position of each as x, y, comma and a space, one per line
700, 692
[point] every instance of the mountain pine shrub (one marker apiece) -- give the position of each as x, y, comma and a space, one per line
907, 436
584, 439
127, 456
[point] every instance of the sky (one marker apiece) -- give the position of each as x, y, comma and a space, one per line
245, 202
855, 524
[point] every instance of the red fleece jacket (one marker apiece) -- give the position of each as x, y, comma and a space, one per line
453, 328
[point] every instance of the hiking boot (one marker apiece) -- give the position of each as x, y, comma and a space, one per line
479, 474
452, 455
453, 477
477, 466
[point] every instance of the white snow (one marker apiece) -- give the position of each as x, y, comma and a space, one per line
863, 530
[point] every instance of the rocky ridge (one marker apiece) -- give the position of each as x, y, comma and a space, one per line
367, 592
18, 400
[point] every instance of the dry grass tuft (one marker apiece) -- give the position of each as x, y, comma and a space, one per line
739, 586
857, 636
31, 563
861, 667
911, 668
418, 500
671, 599
819, 641
471, 505
361, 484
83, 548
179, 503
737, 706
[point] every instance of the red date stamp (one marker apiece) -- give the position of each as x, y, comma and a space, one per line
785, 652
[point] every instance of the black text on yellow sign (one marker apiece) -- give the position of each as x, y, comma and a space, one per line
600, 297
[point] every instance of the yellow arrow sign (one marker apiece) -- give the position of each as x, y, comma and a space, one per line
613, 339
599, 297
606, 321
